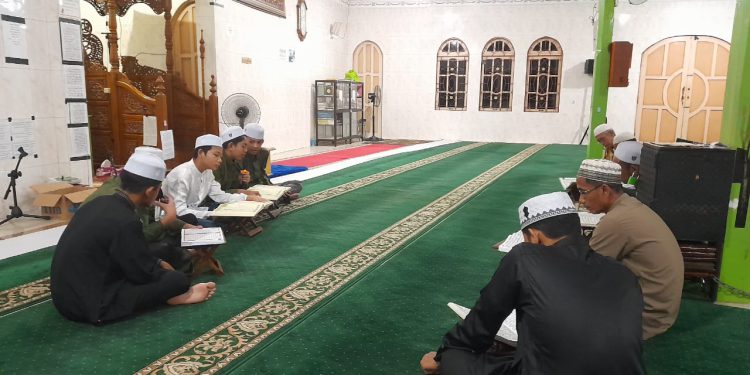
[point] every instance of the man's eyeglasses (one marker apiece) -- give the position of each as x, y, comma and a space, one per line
584, 192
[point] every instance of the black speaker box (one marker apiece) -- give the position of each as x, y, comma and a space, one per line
688, 187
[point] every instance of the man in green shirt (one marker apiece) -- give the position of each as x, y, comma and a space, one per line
163, 236
256, 160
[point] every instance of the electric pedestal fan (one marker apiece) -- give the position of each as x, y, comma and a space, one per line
240, 109
374, 98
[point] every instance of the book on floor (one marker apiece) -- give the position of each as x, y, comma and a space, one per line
202, 237
270, 192
507, 333
566, 181
513, 239
589, 220
239, 209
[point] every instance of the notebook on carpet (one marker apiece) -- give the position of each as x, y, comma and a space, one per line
507, 333
240, 209
202, 237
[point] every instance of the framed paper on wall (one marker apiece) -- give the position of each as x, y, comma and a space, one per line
275, 7
301, 20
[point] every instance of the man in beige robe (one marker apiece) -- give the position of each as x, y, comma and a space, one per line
635, 235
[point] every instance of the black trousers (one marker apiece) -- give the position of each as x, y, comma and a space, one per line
461, 362
131, 298
169, 250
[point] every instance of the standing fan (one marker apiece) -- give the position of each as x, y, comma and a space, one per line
240, 109
374, 98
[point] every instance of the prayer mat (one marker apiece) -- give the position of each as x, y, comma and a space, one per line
334, 156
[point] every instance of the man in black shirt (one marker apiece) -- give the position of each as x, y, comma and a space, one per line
577, 312
102, 269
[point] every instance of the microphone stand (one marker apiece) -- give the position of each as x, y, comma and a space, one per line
15, 211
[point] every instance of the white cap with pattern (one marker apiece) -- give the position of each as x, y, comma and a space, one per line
629, 152
545, 206
146, 165
600, 170
231, 133
208, 140
622, 137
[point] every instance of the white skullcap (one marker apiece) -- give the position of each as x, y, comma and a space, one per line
600, 170
231, 133
545, 206
146, 165
601, 129
622, 137
629, 152
254, 131
208, 140
149, 150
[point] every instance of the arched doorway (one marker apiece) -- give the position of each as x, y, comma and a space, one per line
185, 46
681, 91
368, 63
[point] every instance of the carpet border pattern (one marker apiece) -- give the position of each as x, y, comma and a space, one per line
217, 348
22, 295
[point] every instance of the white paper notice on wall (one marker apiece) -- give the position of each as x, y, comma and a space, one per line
22, 135
6, 149
167, 144
70, 8
78, 113
149, 131
70, 39
14, 39
75, 82
80, 148
13, 8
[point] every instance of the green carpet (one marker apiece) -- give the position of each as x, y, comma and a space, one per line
386, 321
34, 266
38, 340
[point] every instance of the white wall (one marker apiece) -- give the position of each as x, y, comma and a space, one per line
646, 24
283, 89
410, 36
37, 89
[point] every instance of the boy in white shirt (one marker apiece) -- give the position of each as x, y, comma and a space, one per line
192, 185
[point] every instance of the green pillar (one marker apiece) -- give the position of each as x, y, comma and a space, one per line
600, 90
735, 132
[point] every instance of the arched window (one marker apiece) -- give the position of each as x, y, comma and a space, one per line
543, 76
452, 66
497, 76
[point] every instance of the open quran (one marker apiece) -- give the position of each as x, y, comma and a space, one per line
566, 181
240, 209
512, 240
270, 192
507, 333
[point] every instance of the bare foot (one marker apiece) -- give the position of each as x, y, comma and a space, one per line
196, 294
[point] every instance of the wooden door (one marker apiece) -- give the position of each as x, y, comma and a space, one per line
185, 47
681, 92
368, 63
